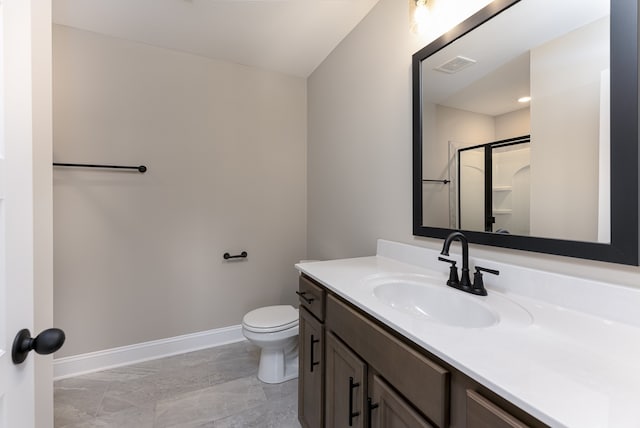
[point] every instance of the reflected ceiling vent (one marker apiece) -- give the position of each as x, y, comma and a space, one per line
456, 64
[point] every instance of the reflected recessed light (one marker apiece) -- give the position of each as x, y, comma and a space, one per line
524, 99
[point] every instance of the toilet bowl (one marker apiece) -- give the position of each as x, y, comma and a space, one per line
275, 330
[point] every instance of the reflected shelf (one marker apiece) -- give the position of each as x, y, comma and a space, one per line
502, 211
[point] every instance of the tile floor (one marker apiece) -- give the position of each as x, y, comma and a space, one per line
215, 387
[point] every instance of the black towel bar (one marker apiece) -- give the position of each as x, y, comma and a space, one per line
437, 181
141, 168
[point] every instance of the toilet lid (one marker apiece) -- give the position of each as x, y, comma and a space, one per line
271, 318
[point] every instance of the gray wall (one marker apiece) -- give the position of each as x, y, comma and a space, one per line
359, 141
138, 257
359, 144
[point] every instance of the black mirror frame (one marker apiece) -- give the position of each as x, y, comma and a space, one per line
623, 248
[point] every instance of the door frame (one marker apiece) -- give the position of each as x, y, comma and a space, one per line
42, 57
34, 30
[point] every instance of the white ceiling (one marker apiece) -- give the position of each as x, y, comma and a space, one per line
288, 36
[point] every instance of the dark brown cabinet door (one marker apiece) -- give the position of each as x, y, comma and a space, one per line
482, 413
390, 410
345, 386
311, 371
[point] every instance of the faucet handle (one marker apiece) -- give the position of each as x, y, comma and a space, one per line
453, 271
478, 283
492, 271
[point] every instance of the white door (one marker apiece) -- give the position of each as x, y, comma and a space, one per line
17, 402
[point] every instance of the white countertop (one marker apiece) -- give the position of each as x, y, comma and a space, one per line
577, 364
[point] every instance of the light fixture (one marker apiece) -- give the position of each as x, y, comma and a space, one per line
419, 16
524, 99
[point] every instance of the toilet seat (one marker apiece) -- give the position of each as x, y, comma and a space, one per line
271, 319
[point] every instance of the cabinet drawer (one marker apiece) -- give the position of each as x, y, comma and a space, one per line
421, 381
482, 413
312, 297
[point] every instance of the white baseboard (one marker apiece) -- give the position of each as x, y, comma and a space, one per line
109, 358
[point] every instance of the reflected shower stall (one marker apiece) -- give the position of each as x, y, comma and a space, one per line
493, 186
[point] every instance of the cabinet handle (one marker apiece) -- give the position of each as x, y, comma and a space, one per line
313, 363
308, 300
352, 414
370, 408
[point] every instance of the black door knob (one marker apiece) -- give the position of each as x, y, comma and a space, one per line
47, 342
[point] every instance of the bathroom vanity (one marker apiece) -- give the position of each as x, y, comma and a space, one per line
373, 352
374, 377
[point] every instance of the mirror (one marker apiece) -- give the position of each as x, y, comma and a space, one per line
555, 172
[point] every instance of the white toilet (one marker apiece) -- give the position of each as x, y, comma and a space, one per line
275, 330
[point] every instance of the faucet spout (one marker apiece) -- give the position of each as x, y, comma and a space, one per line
457, 236
464, 283
465, 280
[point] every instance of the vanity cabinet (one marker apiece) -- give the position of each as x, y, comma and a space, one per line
357, 396
367, 375
421, 381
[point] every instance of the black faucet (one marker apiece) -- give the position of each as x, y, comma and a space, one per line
464, 283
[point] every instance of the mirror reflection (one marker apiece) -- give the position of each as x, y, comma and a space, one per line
515, 125
494, 186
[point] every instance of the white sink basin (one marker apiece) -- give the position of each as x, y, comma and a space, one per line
436, 303
431, 299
